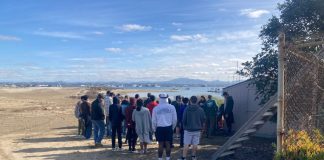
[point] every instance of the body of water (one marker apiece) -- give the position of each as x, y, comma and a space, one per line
174, 91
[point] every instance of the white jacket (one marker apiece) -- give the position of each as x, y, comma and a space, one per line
164, 115
108, 102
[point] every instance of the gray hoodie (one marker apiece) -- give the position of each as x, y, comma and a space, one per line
193, 118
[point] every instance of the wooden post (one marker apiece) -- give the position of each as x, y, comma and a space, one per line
280, 111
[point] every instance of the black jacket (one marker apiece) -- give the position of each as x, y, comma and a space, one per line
229, 110
229, 105
115, 113
97, 112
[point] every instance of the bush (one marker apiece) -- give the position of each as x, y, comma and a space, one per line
299, 145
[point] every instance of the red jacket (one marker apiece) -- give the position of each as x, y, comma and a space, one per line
151, 106
129, 113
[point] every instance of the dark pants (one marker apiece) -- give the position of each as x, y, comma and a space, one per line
87, 127
181, 136
132, 138
117, 129
229, 125
211, 125
108, 126
229, 118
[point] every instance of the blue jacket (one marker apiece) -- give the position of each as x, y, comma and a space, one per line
181, 111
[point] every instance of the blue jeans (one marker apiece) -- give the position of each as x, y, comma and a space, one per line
108, 126
99, 130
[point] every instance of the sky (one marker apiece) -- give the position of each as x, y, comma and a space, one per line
128, 40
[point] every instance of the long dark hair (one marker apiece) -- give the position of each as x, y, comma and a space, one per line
139, 104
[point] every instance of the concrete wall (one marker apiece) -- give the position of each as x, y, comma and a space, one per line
246, 103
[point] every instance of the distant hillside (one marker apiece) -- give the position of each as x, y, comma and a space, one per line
188, 81
184, 81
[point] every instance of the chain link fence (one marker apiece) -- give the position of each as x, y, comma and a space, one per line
304, 86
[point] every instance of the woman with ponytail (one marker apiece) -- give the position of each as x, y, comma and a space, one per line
143, 124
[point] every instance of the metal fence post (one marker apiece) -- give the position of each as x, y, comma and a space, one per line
280, 112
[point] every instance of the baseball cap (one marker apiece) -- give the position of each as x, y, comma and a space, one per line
163, 95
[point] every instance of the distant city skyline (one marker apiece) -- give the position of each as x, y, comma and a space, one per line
91, 41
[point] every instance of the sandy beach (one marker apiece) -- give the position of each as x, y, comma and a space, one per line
38, 124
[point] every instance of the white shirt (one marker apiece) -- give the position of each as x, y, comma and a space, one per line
108, 102
164, 115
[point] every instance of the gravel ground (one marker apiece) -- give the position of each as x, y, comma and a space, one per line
38, 124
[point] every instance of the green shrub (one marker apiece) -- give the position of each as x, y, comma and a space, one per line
299, 145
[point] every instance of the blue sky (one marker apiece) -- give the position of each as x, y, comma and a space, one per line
127, 40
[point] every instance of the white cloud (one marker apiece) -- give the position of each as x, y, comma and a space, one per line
176, 24
89, 60
182, 38
237, 35
9, 38
98, 33
134, 27
253, 13
201, 73
113, 50
56, 34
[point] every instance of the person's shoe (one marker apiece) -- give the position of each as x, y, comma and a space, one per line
182, 158
193, 158
113, 149
120, 149
98, 145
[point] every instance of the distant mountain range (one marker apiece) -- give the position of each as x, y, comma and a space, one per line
175, 82
188, 81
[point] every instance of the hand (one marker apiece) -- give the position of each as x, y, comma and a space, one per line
226, 115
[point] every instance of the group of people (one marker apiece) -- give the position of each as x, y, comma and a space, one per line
187, 118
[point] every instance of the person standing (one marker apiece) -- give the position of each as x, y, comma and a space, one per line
116, 118
152, 104
202, 101
228, 112
148, 100
177, 104
183, 106
143, 124
124, 105
130, 124
220, 119
164, 120
108, 102
193, 123
77, 115
85, 114
98, 119
137, 96
211, 112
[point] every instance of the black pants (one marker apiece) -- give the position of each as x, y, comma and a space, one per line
132, 138
181, 136
117, 129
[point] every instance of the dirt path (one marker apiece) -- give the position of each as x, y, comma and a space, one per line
38, 124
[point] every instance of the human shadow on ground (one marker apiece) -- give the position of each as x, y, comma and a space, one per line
50, 139
67, 127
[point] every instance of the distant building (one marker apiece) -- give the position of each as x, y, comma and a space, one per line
246, 103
